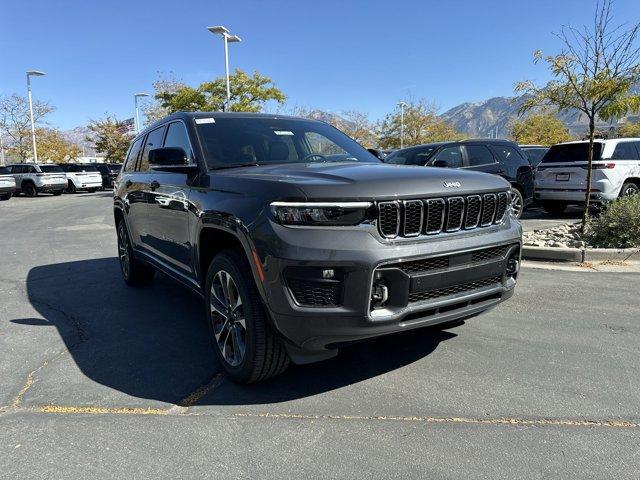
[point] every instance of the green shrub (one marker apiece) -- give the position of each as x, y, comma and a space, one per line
618, 226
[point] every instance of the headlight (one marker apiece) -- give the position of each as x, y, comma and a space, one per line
327, 214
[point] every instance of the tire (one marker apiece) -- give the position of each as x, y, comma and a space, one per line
517, 202
134, 272
71, 187
57, 193
6, 196
554, 207
263, 355
628, 189
30, 190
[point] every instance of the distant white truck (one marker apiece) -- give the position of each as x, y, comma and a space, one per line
82, 177
561, 177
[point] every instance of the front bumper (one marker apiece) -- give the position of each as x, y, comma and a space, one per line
356, 255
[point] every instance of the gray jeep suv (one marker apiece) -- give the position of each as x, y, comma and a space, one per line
300, 241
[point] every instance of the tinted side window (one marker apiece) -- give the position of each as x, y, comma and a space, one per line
508, 154
177, 136
30, 169
153, 140
130, 163
479, 155
625, 151
451, 155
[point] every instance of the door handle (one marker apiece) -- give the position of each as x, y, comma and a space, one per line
128, 183
154, 185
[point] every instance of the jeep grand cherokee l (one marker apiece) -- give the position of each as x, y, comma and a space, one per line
499, 157
300, 241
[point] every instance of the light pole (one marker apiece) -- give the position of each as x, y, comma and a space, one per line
34, 73
1, 151
227, 38
402, 105
135, 101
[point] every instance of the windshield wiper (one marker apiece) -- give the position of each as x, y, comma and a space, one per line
237, 165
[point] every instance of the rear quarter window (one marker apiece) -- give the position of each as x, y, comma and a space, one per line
625, 151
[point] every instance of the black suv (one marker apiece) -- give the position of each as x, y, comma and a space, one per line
109, 172
301, 241
499, 157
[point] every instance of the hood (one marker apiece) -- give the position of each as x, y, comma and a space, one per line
371, 181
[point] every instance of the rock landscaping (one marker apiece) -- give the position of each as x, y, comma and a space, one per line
563, 236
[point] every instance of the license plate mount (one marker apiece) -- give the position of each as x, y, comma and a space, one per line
562, 177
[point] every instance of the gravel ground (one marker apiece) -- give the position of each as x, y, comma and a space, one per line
99, 380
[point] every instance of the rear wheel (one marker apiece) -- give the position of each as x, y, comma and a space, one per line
517, 202
245, 345
629, 189
30, 190
134, 272
6, 196
554, 207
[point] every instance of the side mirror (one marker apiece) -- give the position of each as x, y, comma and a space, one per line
168, 156
171, 159
440, 164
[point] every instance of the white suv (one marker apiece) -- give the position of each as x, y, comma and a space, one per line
82, 177
561, 177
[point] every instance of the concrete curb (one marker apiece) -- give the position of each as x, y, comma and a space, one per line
580, 254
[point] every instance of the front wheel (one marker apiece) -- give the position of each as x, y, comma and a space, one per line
245, 345
517, 203
71, 187
629, 189
30, 190
134, 272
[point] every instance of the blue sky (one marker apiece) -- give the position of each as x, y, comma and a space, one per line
328, 54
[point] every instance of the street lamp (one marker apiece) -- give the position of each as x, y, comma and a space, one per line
227, 38
31, 73
402, 106
1, 151
135, 101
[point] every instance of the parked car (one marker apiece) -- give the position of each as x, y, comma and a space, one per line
32, 179
82, 177
7, 184
109, 172
561, 179
300, 241
499, 157
381, 154
534, 153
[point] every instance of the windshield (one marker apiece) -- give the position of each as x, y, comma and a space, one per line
51, 168
232, 142
572, 152
414, 156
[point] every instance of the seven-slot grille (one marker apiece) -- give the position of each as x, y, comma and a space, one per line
411, 218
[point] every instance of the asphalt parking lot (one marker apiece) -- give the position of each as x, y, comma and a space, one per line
100, 380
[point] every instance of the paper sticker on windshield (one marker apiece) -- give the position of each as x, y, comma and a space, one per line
282, 132
200, 121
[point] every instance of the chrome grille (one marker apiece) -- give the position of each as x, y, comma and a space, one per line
389, 219
435, 215
411, 218
488, 209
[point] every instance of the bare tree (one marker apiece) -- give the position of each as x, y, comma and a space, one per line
593, 73
15, 122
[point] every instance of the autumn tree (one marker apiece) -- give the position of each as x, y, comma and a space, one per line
249, 93
15, 124
629, 130
540, 129
53, 146
421, 125
111, 137
593, 73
